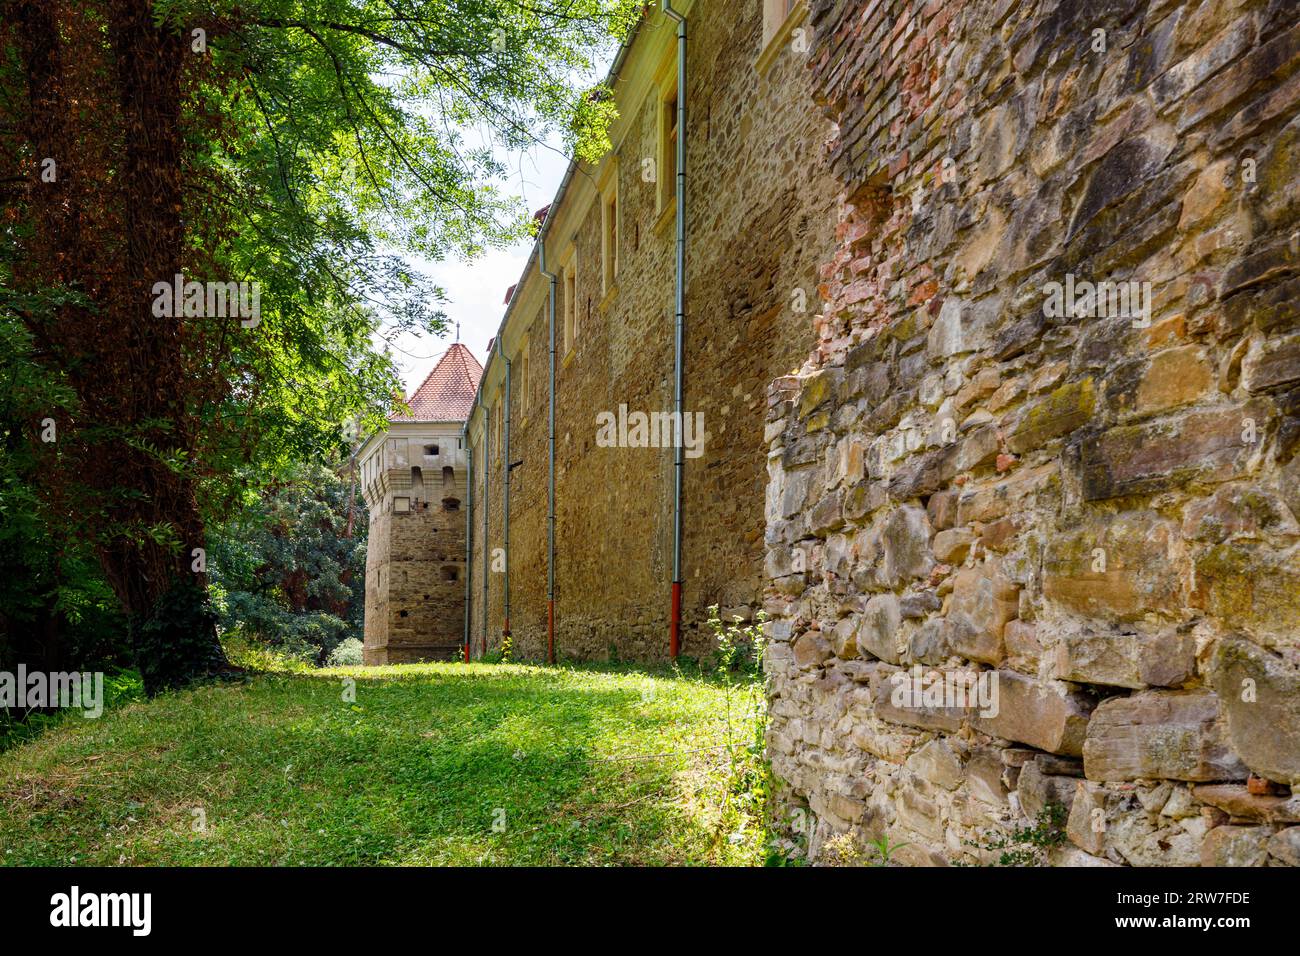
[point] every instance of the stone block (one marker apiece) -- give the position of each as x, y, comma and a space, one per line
1170, 735
1205, 446
811, 650
1273, 365
1037, 789
1024, 651
1043, 714
890, 701
1284, 846
1239, 803
938, 763
983, 601
877, 627
906, 540
1130, 660
1260, 694
1236, 846
1117, 571
1251, 590
1086, 824
952, 546
1067, 408
844, 639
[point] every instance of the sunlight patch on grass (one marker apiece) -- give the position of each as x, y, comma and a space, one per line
431, 764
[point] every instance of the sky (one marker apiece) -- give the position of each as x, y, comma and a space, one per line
476, 290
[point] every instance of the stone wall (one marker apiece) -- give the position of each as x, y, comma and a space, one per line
1090, 514
415, 587
415, 552
760, 217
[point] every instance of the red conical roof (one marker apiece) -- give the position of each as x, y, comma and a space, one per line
447, 394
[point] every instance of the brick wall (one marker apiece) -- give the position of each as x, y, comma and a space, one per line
759, 219
1092, 515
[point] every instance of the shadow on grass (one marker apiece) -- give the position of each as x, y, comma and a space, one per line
413, 764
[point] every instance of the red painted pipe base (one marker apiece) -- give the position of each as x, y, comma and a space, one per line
467, 652
675, 637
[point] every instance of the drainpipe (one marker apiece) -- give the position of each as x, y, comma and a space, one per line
487, 551
505, 510
550, 474
679, 452
469, 525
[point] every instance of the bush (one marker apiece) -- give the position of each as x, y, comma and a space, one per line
347, 654
286, 573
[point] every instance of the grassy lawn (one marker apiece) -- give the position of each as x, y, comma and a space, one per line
432, 764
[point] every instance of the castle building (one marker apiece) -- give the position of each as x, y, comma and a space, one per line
631, 556
961, 339
414, 482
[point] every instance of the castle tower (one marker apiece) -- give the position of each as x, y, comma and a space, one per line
413, 479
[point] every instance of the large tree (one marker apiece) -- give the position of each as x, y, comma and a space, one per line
305, 147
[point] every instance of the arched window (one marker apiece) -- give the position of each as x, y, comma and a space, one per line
450, 504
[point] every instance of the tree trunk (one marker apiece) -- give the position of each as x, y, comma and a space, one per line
173, 628
128, 367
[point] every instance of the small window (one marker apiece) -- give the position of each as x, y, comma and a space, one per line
570, 306
668, 141
500, 429
450, 504
609, 232
781, 18
431, 449
450, 574
523, 376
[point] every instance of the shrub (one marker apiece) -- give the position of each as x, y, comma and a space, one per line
347, 654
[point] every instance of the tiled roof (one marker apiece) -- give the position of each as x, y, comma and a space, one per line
447, 394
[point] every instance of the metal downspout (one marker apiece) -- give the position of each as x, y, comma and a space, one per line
469, 527
487, 551
679, 452
550, 450
505, 512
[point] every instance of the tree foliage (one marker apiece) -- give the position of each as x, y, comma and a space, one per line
286, 571
306, 146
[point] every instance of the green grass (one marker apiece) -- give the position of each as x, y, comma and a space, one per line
578, 765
